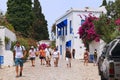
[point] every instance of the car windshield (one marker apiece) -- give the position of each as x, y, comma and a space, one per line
116, 51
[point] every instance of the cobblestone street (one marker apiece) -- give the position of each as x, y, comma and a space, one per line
40, 72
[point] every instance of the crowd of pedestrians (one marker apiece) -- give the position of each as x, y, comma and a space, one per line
45, 54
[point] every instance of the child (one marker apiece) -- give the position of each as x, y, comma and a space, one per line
86, 57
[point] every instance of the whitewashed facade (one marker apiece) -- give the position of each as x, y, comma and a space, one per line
7, 54
67, 29
96, 45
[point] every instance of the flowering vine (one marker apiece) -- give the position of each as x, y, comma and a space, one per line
87, 30
117, 22
43, 45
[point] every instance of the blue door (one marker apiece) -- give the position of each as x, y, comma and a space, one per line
1, 60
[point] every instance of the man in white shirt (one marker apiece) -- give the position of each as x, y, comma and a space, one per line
19, 55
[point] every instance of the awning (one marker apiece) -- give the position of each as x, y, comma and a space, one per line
62, 24
68, 43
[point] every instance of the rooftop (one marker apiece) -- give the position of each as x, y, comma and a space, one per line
86, 9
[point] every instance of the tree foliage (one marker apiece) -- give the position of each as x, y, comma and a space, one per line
4, 22
107, 30
113, 10
104, 3
110, 27
39, 24
28, 21
19, 14
54, 29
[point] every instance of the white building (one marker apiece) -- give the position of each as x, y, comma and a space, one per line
6, 55
67, 29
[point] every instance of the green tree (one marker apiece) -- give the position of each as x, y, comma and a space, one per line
113, 9
110, 27
54, 29
19, 14
104, 3
107, 29
39, 24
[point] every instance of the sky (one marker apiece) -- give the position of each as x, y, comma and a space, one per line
53, 9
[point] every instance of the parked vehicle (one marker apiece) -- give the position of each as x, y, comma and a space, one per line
110, 67
101, 59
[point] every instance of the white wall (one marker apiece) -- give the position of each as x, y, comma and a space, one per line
10, 34
8, 58
78, 44
96, 45
7, 54
2, 37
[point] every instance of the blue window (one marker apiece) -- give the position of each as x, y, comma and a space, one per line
62, 28
60, 49
66, 30
63, 31
71, 26
68, 43
59, 32
82, 21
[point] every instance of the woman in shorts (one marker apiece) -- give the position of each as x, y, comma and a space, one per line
32, 55
42, 56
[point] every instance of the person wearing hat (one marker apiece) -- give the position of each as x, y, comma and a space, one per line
32, 55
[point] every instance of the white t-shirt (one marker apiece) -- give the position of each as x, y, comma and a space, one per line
47, 52
19, 51
32, 53
55, 54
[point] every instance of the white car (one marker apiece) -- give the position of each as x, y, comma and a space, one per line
110, 69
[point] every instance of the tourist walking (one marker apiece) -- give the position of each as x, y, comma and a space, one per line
73, 53
42, 56
56, 56
86, 57
48, 56
32, 55
19, 55
68, 57
95, 57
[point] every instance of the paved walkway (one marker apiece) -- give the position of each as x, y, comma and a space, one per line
40, 72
